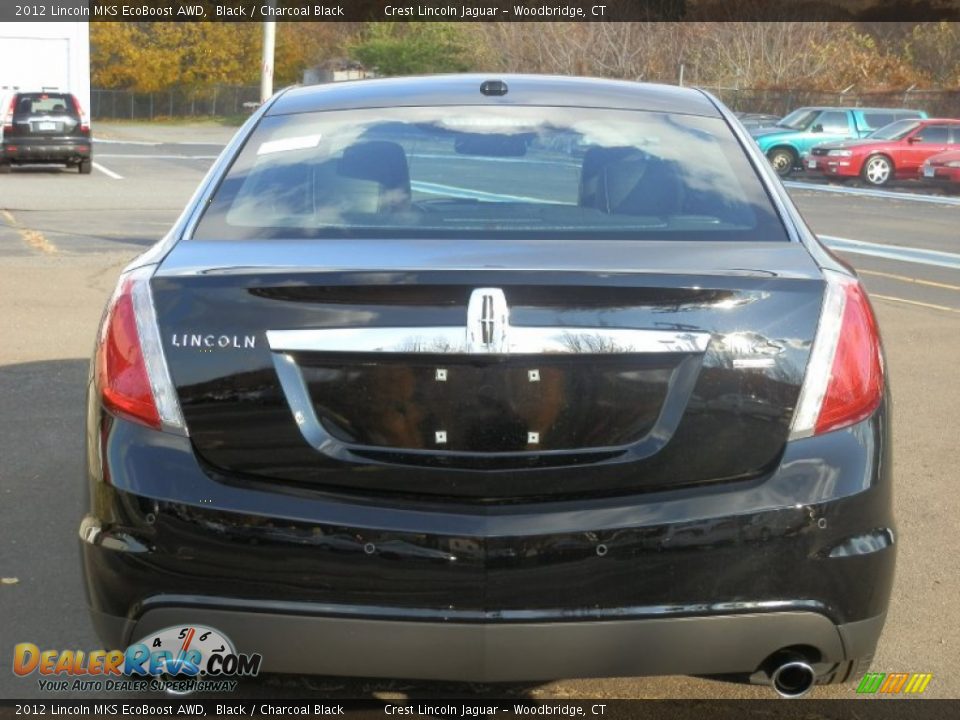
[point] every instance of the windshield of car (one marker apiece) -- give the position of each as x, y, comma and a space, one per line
491, 172
798, 119
895, 130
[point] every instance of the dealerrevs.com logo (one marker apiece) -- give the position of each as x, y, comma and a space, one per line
179, 659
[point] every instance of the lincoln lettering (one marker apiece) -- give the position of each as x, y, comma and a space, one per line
199, 340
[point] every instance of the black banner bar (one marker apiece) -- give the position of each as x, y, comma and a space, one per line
475, 10
485, 707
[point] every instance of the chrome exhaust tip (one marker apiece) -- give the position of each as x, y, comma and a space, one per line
793, 678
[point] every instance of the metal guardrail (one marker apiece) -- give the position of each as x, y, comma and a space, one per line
921, 256
870, 192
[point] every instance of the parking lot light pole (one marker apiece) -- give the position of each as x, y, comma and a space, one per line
266, 68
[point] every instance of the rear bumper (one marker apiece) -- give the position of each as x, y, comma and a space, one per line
942, 176
313, 642
839, 167
71, 150
695, 580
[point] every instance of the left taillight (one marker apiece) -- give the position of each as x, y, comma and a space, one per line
131, 371
8, 115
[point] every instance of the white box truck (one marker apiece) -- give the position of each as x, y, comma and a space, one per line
46, 55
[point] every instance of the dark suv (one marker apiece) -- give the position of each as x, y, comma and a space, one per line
45, 128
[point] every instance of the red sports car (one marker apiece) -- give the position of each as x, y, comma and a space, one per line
943, 169
895, 151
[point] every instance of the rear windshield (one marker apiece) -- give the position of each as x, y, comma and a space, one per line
481, 172
44, 104
895, 130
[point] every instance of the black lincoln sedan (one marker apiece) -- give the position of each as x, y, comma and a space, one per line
494, 379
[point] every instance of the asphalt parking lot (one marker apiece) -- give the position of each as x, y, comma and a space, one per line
64, 238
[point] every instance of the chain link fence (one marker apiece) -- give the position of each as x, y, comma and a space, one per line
936, 103
219, 100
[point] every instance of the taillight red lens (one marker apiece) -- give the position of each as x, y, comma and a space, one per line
8, 117
84, 124
855, 387
121, 371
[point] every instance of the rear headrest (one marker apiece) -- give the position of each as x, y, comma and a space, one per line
594, 161
382, 164
59, 107
628, 181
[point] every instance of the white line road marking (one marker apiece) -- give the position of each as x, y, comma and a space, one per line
915, 302
157, 157
498, 160
145, 143
902, 253
107, 171
466, 193
99, 141
907, 279
866, 192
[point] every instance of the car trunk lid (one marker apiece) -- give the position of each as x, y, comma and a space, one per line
430, 373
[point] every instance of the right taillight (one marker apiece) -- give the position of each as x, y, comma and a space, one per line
844, 380
130, 370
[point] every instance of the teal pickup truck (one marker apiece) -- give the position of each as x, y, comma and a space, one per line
787, 143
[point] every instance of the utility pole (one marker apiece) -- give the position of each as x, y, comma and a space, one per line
266, 68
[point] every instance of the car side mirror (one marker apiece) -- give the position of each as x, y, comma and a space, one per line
914, 139
817, 128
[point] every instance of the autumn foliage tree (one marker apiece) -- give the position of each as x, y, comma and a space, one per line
824, 56
413, 48
934, 49
153, 56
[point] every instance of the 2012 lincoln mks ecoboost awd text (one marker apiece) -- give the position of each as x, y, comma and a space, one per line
488, 379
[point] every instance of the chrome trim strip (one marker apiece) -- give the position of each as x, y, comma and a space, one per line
158, 370
816, 379
514, 340
304, 413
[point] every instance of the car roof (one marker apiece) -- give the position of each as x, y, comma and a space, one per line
533, 90
29, 91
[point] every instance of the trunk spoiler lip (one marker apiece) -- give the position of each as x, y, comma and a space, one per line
377, 256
